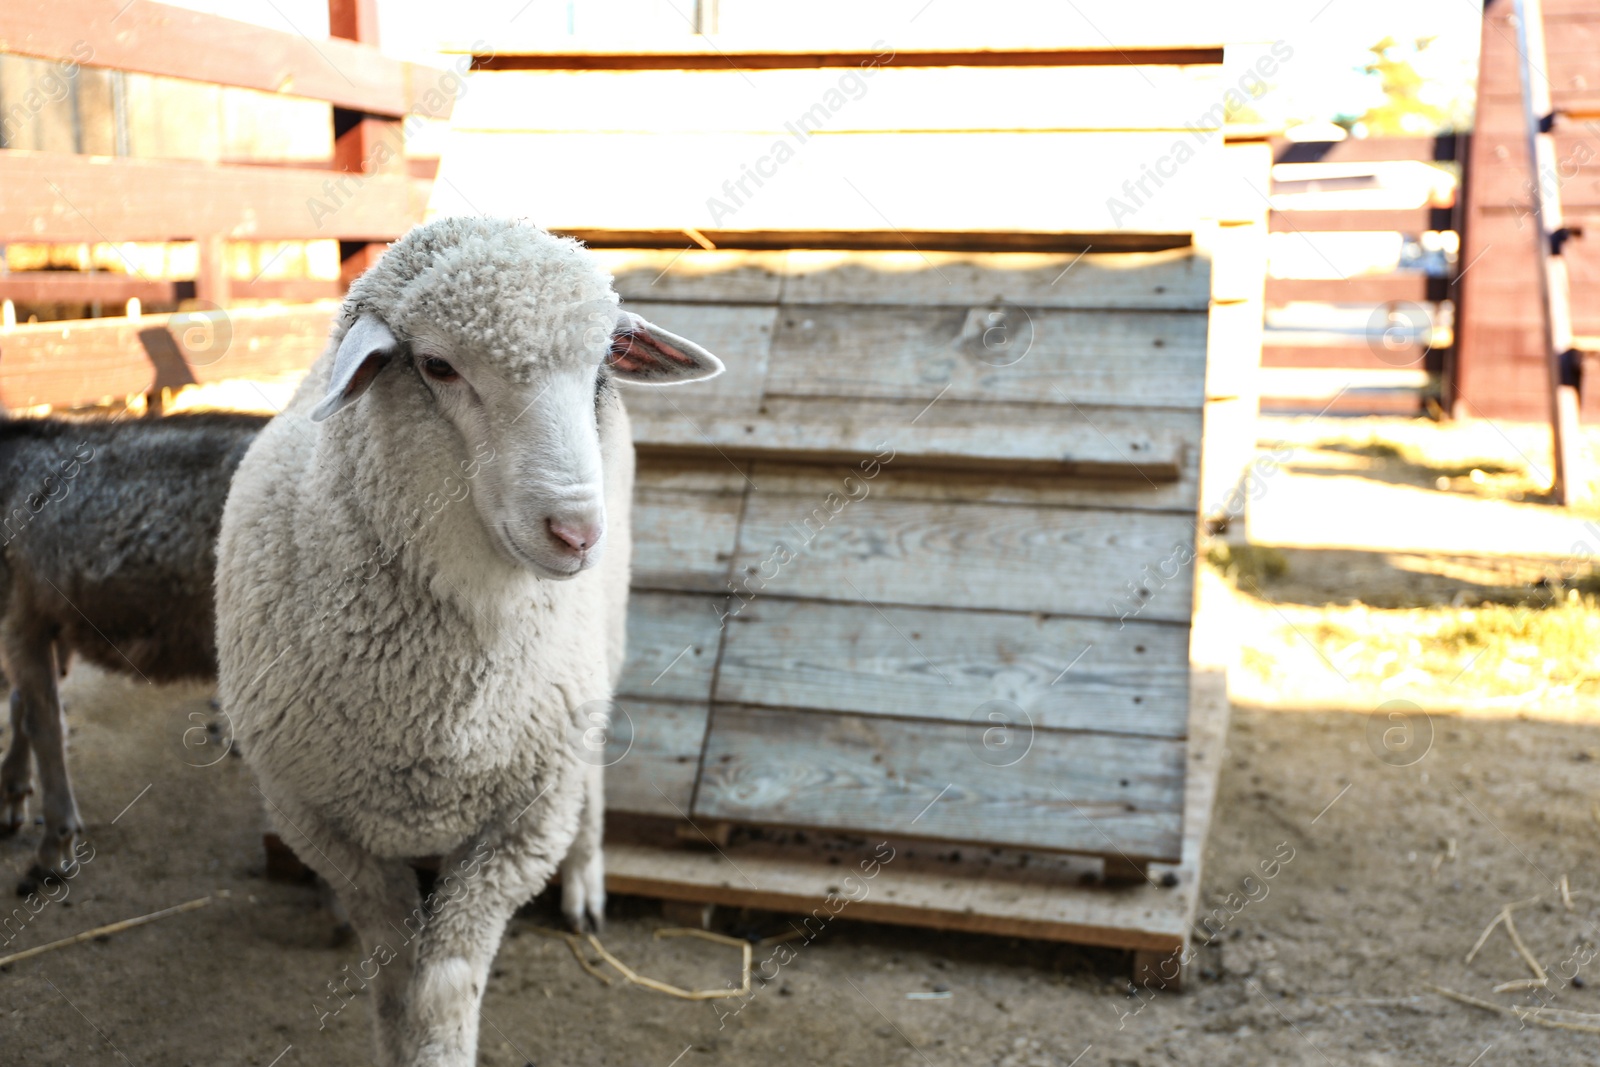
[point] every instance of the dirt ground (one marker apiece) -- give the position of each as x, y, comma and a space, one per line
1396, 870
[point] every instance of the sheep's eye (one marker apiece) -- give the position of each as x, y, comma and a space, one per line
439, 370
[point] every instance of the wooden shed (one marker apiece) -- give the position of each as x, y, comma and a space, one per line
918, 569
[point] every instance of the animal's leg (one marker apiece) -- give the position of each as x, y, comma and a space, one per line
477, 892
30, 663
583, 872
16, 773
385, 908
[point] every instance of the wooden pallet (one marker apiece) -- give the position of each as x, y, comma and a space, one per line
1008, 892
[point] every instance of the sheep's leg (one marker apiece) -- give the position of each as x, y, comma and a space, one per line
31, 665
477, 893
583, 872
385, 908
16, 773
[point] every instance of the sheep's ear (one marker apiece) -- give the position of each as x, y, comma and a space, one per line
644, 353
367, 347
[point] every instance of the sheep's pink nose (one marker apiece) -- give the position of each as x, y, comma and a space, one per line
579, 536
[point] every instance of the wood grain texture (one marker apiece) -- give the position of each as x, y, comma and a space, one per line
1066, 674
695, 274
155, 38
982, 487
829, 182
83, 362
1010, 893
1101, 442
877, 99
46, 196
653, 756
672, 647
1068, 792
1173, 279
682, 540
991, 353
1055, 560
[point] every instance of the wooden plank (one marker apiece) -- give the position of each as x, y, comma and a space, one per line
1008, 893
1066, 791
1105, 564
82, 287
1407, 286
1355, 355
653, 756
1405, 220
879, 238
991, 353
672, 646
691, 273
740, 335
1061, 673
161, 39
829, 181
1173, 279
67, 363
1146, 445
682, 540
51, 197
1233, 349
874, 99
1039, 488
1010, 27
1238, 255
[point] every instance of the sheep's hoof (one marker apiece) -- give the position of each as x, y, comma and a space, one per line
36, 877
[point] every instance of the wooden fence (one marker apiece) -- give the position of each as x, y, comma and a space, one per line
362, 195
1381, 371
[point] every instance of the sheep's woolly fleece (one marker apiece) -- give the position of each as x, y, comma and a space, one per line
491, 284
394, 681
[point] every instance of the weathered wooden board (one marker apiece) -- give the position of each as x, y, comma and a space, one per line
694, 274
672, 646
139, 35
1061, 673
682, 540
48, 196
74, 362
830, 182
652, 756
981, 782
982, 487
752, 31
875, 99
991, 353
1105, 564
1173, 279
1133, 443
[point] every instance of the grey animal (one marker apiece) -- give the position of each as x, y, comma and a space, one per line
108, 534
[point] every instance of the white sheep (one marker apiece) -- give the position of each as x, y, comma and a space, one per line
403, 665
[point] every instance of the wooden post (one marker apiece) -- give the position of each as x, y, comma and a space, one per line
211, 279
1561, 359
362, 143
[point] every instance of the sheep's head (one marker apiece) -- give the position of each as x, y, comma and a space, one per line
514, 337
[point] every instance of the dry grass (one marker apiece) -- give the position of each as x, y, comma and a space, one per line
1482, 459
1494, 650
